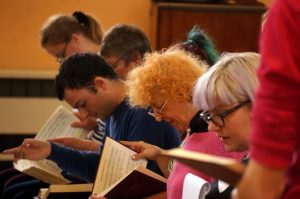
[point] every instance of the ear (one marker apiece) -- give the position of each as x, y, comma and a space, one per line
137, 57
75, 37
100, 83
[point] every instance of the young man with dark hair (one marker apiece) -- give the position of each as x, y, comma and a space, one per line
89, 84
123, 47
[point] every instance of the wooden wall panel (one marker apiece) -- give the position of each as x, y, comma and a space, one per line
233, 28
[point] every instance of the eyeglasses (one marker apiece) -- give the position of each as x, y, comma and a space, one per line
151, 112
116, 63
218, 119
62, 55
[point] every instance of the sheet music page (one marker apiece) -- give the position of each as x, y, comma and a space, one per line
48, 165
115, 163
58, 125
194, 187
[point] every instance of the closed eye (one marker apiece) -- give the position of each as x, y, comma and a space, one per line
80, 104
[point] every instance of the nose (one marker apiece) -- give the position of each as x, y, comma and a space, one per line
212, 127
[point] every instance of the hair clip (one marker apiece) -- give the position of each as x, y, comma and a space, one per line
80, 17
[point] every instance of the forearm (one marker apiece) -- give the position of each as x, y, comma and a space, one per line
90, 145
83, 164
269, 183
163, 164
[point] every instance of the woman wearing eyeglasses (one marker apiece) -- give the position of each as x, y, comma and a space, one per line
63, 35
226, 93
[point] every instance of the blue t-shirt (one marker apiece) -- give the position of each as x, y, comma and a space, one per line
126, 123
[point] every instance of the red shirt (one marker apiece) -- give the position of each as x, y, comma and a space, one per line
275, 137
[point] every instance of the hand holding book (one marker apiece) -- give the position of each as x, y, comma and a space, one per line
144, 150
31, 149
37, 149
87, 123
150, 152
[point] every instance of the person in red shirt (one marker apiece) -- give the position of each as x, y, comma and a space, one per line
274, 169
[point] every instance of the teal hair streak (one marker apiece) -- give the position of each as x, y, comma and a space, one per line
197, 36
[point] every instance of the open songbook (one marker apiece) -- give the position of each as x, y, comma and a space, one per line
56, 126
119, 176
225, 169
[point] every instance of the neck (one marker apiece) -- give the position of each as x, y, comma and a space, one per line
192, 110
188, 111
120, 91
89, 45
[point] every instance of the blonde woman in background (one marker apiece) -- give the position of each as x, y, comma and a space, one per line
61, 35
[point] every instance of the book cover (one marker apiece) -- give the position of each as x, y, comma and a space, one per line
225, 169
138, 183
57, 125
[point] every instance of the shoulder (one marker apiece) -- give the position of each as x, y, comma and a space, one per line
286, 7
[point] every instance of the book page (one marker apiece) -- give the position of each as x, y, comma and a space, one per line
115, 162
194, 187
59, 125
43, 193
46, 174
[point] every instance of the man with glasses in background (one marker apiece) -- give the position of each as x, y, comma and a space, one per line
123, 47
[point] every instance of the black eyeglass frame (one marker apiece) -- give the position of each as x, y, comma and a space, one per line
62, 57
123, 57
207, 117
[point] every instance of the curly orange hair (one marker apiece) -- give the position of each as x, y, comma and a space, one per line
172, 73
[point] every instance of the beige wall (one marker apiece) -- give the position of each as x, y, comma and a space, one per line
20, 22
21, 55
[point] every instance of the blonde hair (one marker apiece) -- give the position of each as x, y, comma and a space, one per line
172, 73
232, 79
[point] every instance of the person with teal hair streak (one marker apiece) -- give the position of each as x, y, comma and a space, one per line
200, 44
